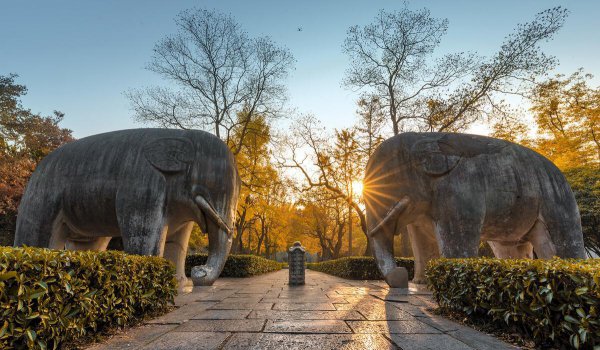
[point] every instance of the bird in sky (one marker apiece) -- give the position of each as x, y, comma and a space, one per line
299, 29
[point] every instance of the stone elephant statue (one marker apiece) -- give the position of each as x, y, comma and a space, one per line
454, 190
146, 185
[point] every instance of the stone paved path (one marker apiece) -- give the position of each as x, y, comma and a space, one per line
263, 312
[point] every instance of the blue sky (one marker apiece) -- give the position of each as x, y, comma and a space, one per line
80, 56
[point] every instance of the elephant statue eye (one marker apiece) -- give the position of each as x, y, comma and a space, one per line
169, 154
432, 160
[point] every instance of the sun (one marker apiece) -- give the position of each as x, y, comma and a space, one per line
357, 187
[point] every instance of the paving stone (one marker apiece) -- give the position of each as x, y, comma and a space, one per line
365, 298
304, 306
410, 327
305, 315
307, 326
182, 314
188, 341
353, 291
187, 298
222, 326
306, 297
252, 291
421, 301
133, 338
266, 341
479, 340
428, 342
344, 307
209, 296
221, 315
242, 306
441, 323
391, 297
383, 313
337, 300
417, 311
298, 300
263, 312
236, 298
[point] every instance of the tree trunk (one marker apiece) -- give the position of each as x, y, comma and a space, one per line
368, 251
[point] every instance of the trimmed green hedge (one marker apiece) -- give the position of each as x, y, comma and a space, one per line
359, 267
236, 265
49, 297
552, 301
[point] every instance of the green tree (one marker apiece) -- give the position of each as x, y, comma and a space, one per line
25, 138
567, 114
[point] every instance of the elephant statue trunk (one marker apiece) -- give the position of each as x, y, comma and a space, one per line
219, 245
381, 238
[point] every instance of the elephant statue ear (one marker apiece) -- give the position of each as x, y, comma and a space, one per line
169, 155
433, 159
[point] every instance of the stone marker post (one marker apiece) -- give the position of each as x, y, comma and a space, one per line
296, 264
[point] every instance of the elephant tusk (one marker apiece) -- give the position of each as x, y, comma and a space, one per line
391, 214
208, 209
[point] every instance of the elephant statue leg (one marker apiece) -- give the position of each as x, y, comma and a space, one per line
382, 246
93, 243
424, 246
176, 246
512, 250
40, 224
541, 241
142, 227
461, 241
59, 235
459, 214
561, 223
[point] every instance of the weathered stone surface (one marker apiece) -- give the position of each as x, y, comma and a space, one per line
306, 315
353, 290
441, 323
399, 298
267, 341
221, 315
461, 188
222, 326
242, 306
245, 298
304, 306
428, 342
410, 327
303, 300
182, 314
133, 338
115, 184
306, 326
479, 340
376, 312
188, 341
